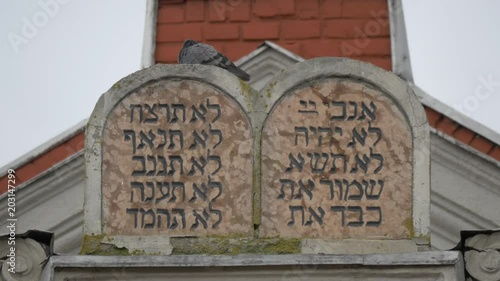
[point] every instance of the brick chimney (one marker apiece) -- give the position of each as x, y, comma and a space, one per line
357, 29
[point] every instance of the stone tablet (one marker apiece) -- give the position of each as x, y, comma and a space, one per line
337, 158
176, 159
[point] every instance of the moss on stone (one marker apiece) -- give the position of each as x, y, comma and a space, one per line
246, 93
116, 86
245, 88
270, 88
92, 245
225, 246
408, 223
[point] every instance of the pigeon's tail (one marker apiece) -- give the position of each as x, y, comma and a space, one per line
238, 72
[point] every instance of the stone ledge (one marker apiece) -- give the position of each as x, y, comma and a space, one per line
420, 266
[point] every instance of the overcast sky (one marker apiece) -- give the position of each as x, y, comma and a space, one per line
56, 61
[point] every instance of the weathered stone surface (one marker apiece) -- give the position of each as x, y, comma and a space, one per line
329, 149
169, 153
345, 155
337, 156
442, 266
177, 160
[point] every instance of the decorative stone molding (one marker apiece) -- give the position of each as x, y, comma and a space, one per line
428, 266
26, 258
482, 256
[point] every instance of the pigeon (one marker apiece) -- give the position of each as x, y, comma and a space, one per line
198, 53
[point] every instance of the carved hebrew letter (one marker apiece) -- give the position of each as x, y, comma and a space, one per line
148, 139
178, 185
334, 166
379, 158
151, 173
341, 209
164, 134
215, 184
132, 107
285, 183
198, 165
318, 168
138, 185
216, 212
152, 215
177, 133
343, 106
329, 135
167, 110
328, 183
375, 130
141, 172
305, 132
359, 210
215, 132
199, 192
198, 114
368, 111
215, 158
175, 224
359, 137
377, 222
293, 209
133, 211
130, 135
303, 188
199, 219
355, 196
355, 105
151, 110
164, 194
165, 212
360, 163
370, 192
151, 186
178, 159
216, 107
311, 109
294, 163
176, 107
318, 218
199, 140
162, 171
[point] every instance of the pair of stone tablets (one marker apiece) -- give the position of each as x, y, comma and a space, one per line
330, 149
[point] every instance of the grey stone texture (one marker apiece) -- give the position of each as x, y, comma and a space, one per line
442, 266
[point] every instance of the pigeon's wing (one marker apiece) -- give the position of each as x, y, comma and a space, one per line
198, 54
208, 55
218, 59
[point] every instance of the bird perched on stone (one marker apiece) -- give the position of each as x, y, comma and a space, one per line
198, 53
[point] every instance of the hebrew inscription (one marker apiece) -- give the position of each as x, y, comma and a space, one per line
336, 163
177, 161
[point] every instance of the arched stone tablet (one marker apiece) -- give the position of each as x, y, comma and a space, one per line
344, 155
169, 154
